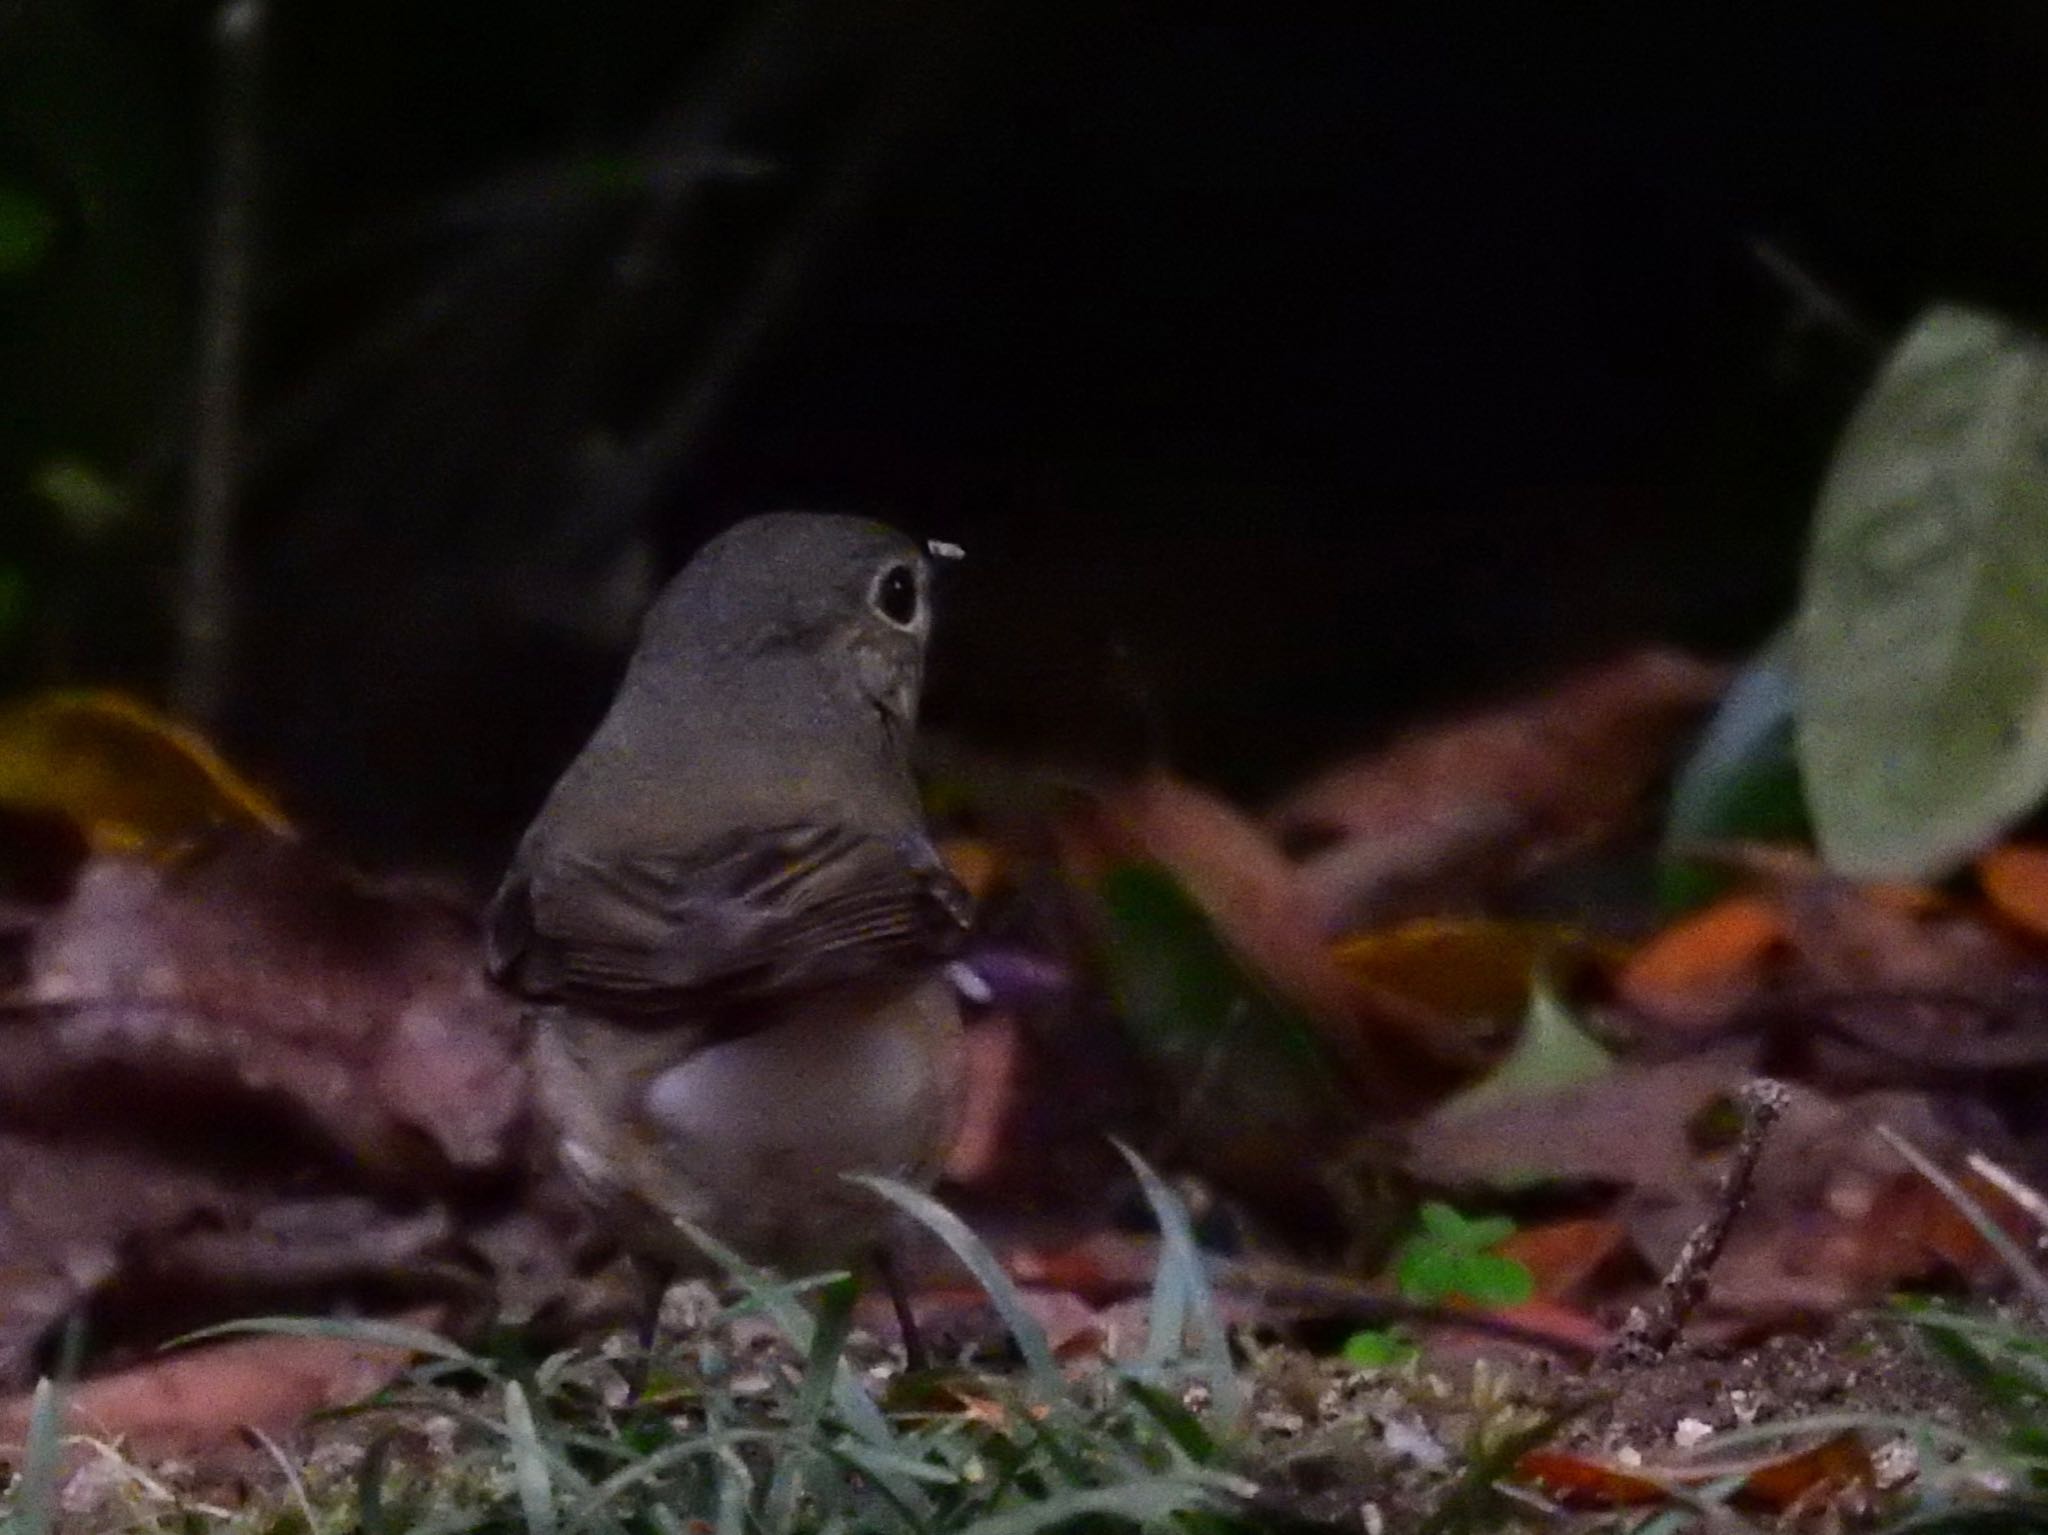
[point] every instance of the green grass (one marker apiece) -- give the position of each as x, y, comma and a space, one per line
747, 1430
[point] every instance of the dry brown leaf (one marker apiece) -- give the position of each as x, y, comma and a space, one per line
260, 970
1778, 1481
1233, 871
1471, 967
199, 1401
1450, 813
1563, 1256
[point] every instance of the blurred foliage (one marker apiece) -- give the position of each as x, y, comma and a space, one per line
1902, 719
1741, 782
1922, 636
1449, 1258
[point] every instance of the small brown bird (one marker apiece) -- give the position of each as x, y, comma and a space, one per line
728, 919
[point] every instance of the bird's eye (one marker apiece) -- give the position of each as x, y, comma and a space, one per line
896, 595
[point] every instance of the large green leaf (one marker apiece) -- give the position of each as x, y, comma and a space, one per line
1922, 637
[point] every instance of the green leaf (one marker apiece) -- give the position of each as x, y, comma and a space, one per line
1553, 1051
1742, 781
1246, 1068
27, 230
1377, 1349
1488, 1279
530, 1474
1448, 1258
1922, 633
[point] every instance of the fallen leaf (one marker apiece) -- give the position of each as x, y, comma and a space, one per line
1775, 1482
975, 862
1579, 1481
198, 1401
1700, 969
1469, 967
1454, 812
1249, 893
2014, 879
1563, 1256
266, 970
130, 778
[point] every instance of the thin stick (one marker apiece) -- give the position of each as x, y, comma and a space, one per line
2008, 1183
205, 611
1650, 1331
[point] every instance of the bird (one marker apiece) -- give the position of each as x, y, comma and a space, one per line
728, 925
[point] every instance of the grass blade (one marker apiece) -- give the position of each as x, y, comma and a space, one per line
855, 1407
1046, 1381
36, 1502
1181, 1271
1148, 1502
2031, 1279
821, 1366
395, 1335
529, 1463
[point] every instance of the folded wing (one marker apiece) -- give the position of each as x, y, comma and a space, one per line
761, 912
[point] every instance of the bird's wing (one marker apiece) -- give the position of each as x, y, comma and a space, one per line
759, 913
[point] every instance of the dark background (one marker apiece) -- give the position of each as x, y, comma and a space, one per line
1283, 378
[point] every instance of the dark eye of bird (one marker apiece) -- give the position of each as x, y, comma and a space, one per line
896, 595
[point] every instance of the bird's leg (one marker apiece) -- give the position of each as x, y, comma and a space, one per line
914, 1356
654, 1279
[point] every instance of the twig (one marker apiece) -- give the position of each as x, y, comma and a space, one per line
1815, 305
927, 70
1650, 1331
206, 595
2008, 1183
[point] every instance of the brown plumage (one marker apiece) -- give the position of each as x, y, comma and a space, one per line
728, 919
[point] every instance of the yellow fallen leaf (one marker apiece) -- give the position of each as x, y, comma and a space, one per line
131, 779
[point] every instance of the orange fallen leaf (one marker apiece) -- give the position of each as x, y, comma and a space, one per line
1776, 1481
976, 863
1563, 1255
1232, 869
2014, 879
1706, 959
1468, 967
1832, 1466
1578, 1481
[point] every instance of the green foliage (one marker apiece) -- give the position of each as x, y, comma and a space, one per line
1378, 1348
1242, 1060
1553, 1051
1449, 1259
1742, 781
1921, 644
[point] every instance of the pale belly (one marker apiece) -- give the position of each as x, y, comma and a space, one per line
752, 1138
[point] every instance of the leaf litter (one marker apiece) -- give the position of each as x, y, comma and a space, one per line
242, 1078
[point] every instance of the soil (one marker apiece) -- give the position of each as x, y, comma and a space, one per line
1384, 1450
